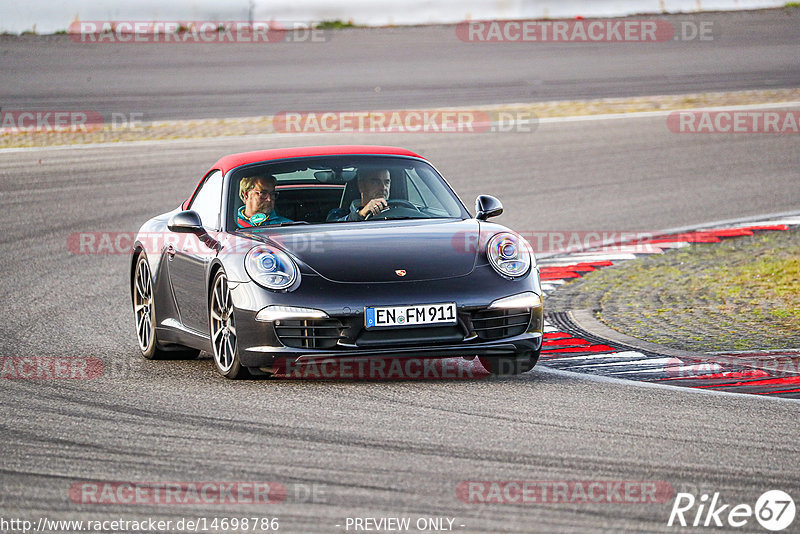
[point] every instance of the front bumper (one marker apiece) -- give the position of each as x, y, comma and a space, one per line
341, 334
255, 357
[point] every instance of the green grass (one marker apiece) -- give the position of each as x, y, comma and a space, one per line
742, 293
334, 25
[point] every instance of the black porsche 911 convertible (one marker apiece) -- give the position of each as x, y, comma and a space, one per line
334, 252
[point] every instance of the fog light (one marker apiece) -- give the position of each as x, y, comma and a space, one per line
523, 300
276, 313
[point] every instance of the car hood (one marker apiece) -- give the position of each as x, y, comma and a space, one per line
383, 251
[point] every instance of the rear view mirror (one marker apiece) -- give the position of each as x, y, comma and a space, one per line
326, 177
334, 177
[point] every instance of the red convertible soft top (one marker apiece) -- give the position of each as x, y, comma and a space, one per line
227, 163
234, 160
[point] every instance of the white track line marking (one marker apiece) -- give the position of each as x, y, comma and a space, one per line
624, 354
649, 361
712, 368
657, 385
586, 257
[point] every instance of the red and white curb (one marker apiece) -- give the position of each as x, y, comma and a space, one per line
568, 347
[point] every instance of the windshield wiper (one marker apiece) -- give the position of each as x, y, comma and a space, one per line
291, 223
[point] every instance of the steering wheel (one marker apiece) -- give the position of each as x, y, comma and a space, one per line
392, 205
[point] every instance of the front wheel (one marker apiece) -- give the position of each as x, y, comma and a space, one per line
510, 365
223, 329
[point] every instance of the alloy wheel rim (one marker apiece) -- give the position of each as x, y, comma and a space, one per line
143, 305
223, 329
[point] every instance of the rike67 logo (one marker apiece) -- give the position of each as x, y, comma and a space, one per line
774, 510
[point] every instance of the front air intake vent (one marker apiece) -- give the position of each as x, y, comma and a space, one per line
499, 324
309, 333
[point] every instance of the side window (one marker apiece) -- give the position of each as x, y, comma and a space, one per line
208, 200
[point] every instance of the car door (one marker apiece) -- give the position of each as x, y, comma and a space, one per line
189, 257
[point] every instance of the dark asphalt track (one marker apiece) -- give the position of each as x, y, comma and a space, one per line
390, 69
378, 449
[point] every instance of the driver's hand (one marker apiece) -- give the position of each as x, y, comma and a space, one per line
374, 206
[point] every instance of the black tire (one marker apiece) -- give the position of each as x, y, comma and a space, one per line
144, 317
510, 365
223, 329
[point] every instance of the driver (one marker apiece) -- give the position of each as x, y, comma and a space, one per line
374, 185
258, 194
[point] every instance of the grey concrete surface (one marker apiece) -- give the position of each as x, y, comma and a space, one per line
378, 449
414, 67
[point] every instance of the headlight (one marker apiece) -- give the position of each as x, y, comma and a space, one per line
509, 254
270, 267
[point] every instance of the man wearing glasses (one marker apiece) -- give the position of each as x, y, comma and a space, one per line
258, 194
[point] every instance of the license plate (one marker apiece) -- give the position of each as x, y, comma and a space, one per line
416, 315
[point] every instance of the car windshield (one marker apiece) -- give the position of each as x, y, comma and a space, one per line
335, 190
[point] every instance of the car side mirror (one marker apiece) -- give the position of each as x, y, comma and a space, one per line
487, 206
186, 222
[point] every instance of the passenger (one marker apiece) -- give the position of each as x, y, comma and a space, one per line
374, 187
258, 194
